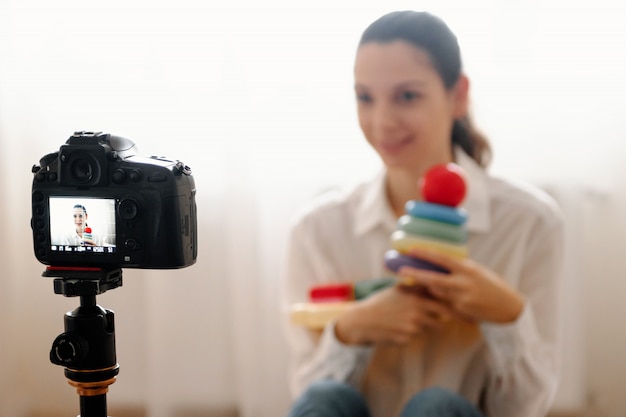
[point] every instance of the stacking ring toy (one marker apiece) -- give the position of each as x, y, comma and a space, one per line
444, 184
406, 243
437, 212
394, 260
431, 228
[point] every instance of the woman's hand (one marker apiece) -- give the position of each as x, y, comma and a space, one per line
470, 289
393, 316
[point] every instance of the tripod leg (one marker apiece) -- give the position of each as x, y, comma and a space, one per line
93, 406
92, 395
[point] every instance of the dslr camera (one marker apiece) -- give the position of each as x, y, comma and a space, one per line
95, 203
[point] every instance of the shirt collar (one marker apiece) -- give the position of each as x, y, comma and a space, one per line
374, 210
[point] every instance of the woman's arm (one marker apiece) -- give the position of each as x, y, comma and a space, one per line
520, 325
315, 355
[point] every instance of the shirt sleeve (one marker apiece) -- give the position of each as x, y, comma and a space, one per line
315, 355
524, 356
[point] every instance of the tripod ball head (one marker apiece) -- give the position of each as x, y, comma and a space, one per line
87, 347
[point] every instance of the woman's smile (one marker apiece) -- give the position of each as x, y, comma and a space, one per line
395, 146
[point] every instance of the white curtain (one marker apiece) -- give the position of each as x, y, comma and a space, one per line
256, 98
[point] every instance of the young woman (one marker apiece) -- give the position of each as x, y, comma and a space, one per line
78, 238
484, 341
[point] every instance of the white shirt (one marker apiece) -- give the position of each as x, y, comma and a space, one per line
507, 370
74, 239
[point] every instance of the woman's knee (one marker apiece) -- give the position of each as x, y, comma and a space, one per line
329, 388
330, 398
436, 402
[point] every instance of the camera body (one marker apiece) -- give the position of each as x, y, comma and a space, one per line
95, 203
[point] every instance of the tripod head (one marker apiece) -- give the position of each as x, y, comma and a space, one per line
87, 346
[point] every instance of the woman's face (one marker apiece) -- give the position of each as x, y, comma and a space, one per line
79, 219
404, 109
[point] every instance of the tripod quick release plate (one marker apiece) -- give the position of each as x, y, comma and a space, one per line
74, 282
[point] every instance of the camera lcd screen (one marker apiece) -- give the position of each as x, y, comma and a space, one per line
82, 225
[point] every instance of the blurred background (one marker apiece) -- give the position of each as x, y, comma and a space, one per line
256, 97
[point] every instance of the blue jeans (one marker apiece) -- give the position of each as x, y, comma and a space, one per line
336, 399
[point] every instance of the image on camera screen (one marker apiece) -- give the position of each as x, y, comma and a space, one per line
82, 224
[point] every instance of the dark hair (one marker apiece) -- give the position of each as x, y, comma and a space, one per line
428, 32
80, 206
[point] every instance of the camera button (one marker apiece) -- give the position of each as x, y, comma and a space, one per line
135, 175
128, 209
157, 178
118, 176
38, 197
131, 244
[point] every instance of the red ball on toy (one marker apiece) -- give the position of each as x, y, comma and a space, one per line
443, 184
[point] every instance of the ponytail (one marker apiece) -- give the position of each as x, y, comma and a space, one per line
474, 143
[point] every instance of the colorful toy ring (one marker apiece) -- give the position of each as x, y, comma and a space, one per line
430, 228
437, 212
406, 243
394, 260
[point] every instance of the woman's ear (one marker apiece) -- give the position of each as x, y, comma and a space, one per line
461, 97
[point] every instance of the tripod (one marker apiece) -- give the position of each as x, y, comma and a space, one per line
87, 347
